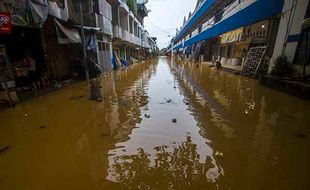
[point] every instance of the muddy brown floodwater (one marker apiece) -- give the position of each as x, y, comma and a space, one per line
162, 125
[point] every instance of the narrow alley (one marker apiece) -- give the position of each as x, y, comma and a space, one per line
162, 125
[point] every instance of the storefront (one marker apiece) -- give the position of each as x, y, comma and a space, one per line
23, 42
229, 48
233, 46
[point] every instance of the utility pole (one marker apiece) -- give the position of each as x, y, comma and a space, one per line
83, 44
142, 33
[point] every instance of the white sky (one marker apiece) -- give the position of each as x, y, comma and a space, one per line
165, 17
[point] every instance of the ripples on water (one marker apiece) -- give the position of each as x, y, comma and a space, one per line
230, 133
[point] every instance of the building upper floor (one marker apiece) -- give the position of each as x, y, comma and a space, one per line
122, 19
215, 17
127, 21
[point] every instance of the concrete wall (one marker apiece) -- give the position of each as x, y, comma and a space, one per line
286, 29
74, 12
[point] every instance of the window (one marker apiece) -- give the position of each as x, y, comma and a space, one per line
103, 46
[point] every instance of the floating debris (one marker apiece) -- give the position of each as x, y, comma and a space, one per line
42, 127
174, 120
4, 149
302, 135
26, 115
95, 91
166, 101
275, 160
219, 154
147, 115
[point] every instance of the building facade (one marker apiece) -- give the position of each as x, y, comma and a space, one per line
225, 31
51, 33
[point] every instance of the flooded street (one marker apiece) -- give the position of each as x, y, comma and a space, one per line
162, 125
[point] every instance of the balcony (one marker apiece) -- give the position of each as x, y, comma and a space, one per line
117, 32
123, 6
126, 36
137, 41
105, 24
197, 16
146, 45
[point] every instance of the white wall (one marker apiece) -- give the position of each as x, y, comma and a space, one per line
298, 17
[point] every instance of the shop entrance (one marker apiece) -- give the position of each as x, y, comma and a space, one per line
24, 43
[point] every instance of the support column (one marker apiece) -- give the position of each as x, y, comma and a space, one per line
293, 11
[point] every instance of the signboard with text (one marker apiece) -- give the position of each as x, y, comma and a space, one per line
232, 36
5, 23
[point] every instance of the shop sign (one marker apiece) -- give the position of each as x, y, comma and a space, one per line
232, 36
5, 23
258, 40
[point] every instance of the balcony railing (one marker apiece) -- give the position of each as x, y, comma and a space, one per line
124, 5
104, 24
117, 32
227, 12
237, 14
126, 36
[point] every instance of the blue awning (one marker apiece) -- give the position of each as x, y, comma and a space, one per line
196, 17
261, 9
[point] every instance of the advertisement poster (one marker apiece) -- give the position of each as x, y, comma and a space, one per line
232, 36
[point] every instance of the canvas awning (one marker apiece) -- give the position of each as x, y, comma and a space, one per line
30, 13
89, 28
66, 35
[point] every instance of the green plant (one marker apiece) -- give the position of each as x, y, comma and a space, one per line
131, 5
282, 67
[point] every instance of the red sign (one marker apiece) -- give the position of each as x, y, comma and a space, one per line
5, 23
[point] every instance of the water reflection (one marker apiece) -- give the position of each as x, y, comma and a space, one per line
161, 154
230, 133
178, 167
124, 95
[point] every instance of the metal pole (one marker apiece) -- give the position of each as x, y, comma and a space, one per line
8, 93
306, 56
142, 32
83, 44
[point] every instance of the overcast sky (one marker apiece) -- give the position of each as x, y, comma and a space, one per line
165, 17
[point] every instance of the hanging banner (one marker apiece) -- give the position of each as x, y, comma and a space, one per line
232, 36
5, 23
